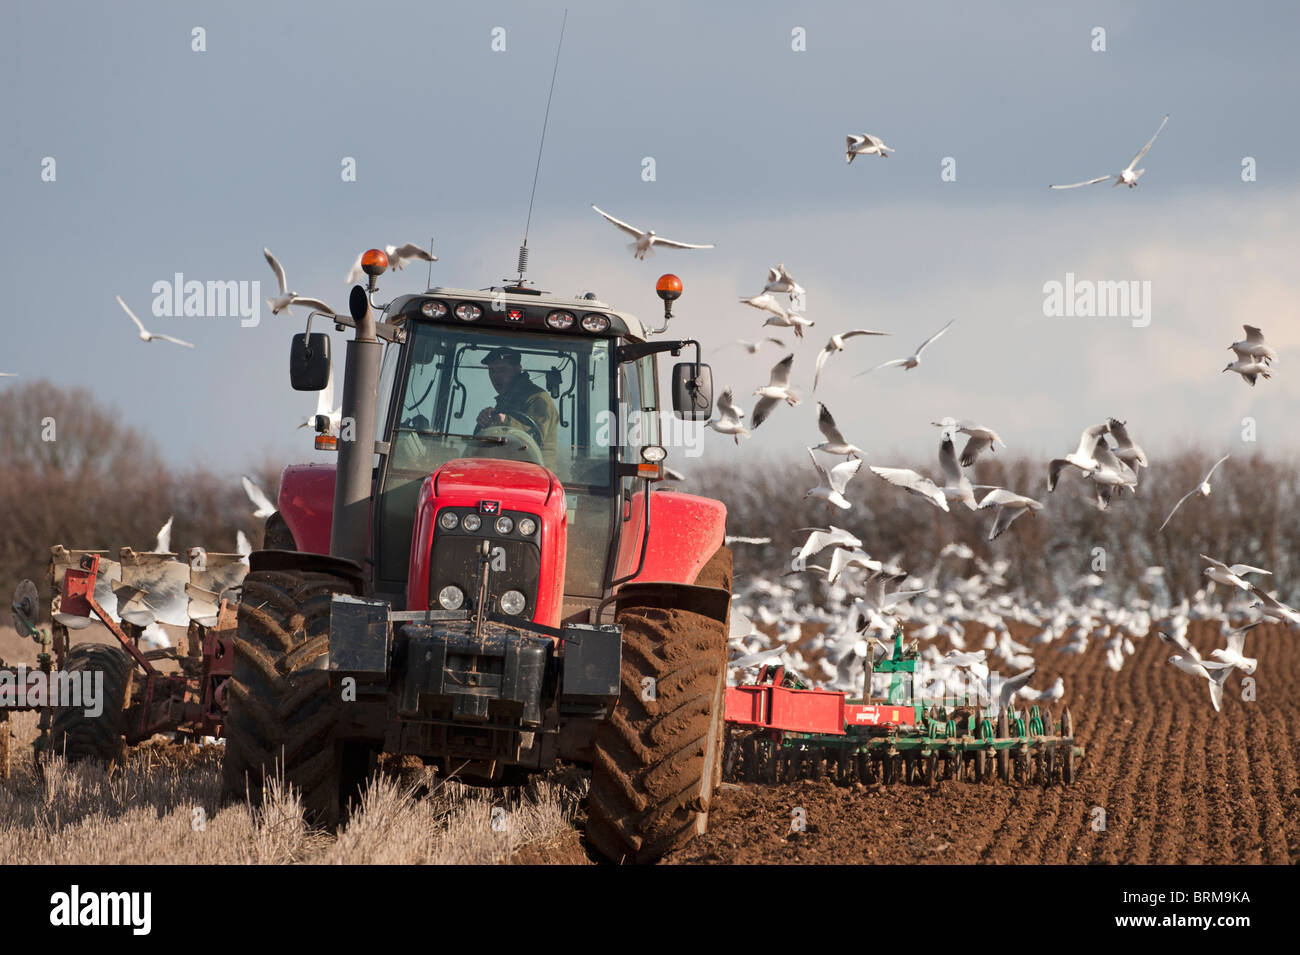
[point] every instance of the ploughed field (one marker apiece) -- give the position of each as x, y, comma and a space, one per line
1165, 780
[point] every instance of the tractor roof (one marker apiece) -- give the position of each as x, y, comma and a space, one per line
621, 323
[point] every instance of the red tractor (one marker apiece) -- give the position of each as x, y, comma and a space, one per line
489, 578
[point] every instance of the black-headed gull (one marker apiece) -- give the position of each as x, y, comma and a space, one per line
1274, 609
1232, 576
729, 415
781, 316
285, 298
1253, 346
1234, 653
911, 361
398, 256
1083, 457
821, 538
981, 438
909, 480
1126, 449
779, 280
775, 391
831, 484
1053, 694
647, 240
1128, 176
1203, 488
1009, 505
1249, 369
864, 144
1215, 674
835, 442
835, 344
145, 334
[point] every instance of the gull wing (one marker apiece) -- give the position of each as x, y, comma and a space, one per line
909, 480
278, 269
630, 229
763, 409
1213, 469
841, 474
933, 337
1086, 182
948, 463
674, 244
1195, 490
314, 304
138, 323
1143, 151
883, 364
1088, 440
174, 341
1253, 335
781, 371
826, 424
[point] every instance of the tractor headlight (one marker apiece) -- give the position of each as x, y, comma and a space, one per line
433, 310
468, 312
471, 522
451, 598
449, 520
504, 525
560, 320
595, 323
527, 526
512, 602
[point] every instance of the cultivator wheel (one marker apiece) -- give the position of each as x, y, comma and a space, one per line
1067, 761
78, 736
1003, 758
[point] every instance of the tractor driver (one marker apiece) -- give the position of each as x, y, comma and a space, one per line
515, 392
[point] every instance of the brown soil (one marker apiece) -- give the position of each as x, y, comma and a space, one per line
1178, 782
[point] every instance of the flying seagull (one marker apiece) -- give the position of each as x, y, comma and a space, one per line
145, 334
864, 145
398, 256
1083, 457
647, 240
911, 361
1009, 505
1254, 346
981, 438
831, 484
776, 390
728, 419
779, 280
835, 344
1203, 488
909, 480
1128, 176
285, 298
1249, 369
835, 442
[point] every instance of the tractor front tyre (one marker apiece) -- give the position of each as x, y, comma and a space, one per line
659, 755
281, 718
76, 735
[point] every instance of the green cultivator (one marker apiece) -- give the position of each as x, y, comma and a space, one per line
780, 730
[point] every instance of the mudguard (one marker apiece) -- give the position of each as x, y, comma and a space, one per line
685, 531
306, 502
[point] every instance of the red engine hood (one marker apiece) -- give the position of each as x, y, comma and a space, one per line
522, 483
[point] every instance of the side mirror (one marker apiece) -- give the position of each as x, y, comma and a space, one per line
692, 391
309, 361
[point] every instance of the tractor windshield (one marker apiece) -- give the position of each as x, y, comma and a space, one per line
474, 392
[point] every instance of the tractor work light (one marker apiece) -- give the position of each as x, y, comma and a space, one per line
504, 525
451, 598
449, 520
512, 602
374, 262
471, 522
560, 320
592, 322
527, 526
468, 312
433, 310
653, 453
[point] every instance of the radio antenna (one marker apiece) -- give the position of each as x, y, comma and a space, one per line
523, 249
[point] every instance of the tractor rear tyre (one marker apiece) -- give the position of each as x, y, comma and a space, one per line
659, 756
282, 716
78, 736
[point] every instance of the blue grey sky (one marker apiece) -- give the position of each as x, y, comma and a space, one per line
170, 160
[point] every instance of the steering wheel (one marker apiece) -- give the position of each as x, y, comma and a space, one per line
528, 421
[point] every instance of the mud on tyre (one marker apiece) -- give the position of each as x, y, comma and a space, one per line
657, 760
77, 735
282, 715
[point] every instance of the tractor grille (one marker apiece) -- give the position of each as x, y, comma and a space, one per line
516, 565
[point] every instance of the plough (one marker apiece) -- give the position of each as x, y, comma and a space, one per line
779, 729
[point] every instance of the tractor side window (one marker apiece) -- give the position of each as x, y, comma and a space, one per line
387, 380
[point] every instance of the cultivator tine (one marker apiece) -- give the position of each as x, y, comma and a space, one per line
154, 587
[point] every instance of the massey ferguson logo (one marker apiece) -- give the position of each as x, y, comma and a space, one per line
489, 507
